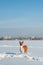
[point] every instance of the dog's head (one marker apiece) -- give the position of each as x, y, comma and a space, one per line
21, 43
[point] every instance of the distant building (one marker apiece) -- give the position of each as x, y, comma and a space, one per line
37, 38
7, 38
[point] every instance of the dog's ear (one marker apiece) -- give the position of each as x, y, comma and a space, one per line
19, 42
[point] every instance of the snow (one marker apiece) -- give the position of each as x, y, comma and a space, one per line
10, 54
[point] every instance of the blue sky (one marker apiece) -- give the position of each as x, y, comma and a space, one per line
21, 13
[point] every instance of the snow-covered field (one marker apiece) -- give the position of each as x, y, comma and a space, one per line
9, 53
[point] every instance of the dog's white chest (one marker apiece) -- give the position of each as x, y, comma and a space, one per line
22, 49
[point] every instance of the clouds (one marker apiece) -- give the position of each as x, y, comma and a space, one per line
17, 22
21, 22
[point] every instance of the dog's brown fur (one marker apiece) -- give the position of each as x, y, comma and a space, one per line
23, 47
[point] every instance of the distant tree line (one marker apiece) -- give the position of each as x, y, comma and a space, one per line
21, 38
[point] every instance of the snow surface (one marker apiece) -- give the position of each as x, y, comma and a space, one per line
10, 54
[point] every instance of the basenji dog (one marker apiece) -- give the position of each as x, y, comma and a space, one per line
23, 47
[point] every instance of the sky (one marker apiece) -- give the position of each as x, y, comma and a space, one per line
21, 14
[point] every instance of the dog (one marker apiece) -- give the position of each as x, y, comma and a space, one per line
23, 47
